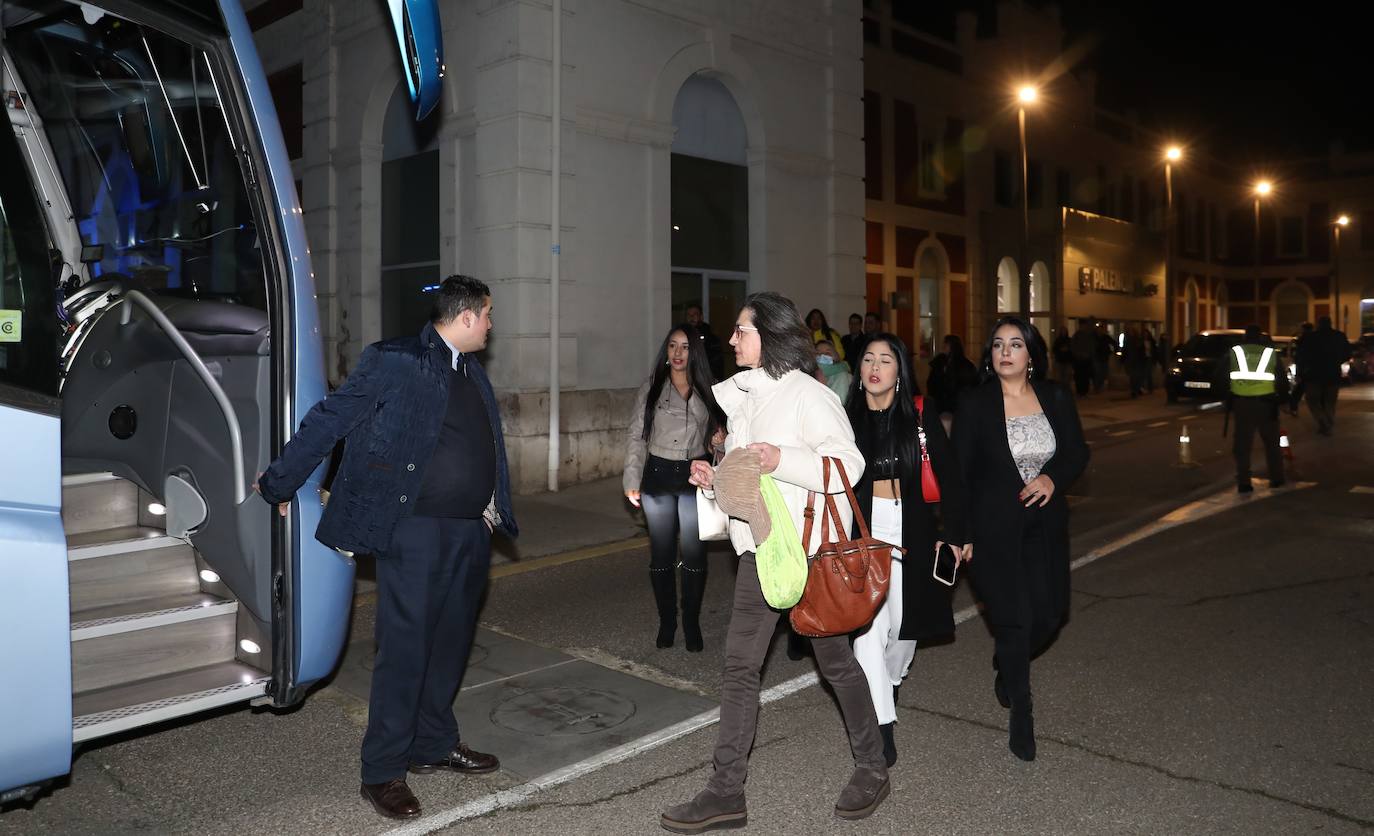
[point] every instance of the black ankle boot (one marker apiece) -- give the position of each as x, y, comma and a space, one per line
693, 589
796, 645
889, 743
664, 583
1021, 732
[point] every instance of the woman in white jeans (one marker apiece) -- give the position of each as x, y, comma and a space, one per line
886, 425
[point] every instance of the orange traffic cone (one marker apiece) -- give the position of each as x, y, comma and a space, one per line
1284, 445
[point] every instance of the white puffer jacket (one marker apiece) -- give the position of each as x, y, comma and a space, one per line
805, 420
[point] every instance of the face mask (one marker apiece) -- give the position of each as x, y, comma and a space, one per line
824, 359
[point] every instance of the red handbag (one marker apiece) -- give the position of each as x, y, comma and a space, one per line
930, 486
847, 580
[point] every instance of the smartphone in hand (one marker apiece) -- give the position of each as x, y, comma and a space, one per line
946, 564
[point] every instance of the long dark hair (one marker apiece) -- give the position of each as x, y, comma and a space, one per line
784, 340
894, 430
698, 374
825, 326
1035, 344
956, 346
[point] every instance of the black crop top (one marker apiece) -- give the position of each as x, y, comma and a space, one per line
879, 444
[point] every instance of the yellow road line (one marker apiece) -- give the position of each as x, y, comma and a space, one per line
505, 570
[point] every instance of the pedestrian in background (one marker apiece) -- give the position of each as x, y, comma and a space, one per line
715, 358
852, 344
779, 410
1324, 350
1020, 445
1301, 365
1063, 355
1151, 358
951, 372
1255, 393
830, 371
887, 429
1084, 348
821, 330
1102, 355
674, 420
1136, 360
422, 484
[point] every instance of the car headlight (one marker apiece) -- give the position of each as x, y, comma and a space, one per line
1345, 370
1176, 370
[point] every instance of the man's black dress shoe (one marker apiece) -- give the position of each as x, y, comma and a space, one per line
392, 799
461, 759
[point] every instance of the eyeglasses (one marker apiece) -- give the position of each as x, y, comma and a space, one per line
741, 329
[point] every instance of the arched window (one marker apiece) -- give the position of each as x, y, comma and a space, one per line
931, 278
1292, 305
1008, 287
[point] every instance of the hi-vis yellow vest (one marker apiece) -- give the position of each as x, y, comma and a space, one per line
1252, 370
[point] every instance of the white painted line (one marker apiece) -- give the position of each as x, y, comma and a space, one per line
1121, 432
517, 794
507, 798
467, 688
1361, 489
1157, 424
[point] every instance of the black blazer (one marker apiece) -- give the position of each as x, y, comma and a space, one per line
997, 517
927, 604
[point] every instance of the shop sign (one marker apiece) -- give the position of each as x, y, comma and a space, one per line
1106, 280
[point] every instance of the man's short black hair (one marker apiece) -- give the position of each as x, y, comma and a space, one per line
855, 316
456, 294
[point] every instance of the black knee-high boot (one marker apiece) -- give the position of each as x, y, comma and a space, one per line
1013, 664
693, 589
664, 582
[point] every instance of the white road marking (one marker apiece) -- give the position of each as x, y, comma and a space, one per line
1157, 424
1121, 432
1362, 489
467, 688
1191, 512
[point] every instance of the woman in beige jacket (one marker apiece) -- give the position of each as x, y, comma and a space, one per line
777, 408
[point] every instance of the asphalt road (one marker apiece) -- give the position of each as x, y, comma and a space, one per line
1215, 678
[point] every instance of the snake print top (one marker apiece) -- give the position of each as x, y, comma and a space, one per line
1031, 439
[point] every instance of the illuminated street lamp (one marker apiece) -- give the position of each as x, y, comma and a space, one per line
1025, 95
1342, 221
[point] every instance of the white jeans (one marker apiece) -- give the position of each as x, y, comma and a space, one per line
884, 657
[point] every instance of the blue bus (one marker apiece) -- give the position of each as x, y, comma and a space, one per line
159, 343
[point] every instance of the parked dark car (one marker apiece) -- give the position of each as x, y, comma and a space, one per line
1360, 366
1201, 367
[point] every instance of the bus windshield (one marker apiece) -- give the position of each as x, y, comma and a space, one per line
138, 130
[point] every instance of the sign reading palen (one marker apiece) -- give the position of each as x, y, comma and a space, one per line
1105, 280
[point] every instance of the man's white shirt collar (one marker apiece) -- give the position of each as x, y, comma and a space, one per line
456, 352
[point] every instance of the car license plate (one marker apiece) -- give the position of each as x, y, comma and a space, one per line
1196, 384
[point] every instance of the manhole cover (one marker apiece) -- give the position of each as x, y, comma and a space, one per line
551, 712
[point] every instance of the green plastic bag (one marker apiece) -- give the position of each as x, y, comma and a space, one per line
780, 559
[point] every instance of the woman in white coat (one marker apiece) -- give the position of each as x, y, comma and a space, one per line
777, 408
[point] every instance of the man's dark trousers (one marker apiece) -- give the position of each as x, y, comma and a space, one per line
429, 585
1321, 399
1257, 414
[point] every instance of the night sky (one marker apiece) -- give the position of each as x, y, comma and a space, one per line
1244, 81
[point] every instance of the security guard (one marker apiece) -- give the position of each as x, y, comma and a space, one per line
1257, 385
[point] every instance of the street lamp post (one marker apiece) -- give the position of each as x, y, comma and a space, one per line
1262, 189
1025, 95
1342, 221
1172, 155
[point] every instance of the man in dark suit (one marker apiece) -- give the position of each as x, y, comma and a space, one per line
422, 485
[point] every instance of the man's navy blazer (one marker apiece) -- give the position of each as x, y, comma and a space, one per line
391, 411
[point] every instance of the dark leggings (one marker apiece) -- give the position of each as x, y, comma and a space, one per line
1022, 634
672, 519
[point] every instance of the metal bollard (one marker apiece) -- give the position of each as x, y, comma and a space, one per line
1185, 449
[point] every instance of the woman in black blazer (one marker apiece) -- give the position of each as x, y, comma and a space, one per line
1020, 445
883, 414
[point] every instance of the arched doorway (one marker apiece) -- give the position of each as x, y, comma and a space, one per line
1041, 304
709, 206
931, 275
410, 215
1008, 287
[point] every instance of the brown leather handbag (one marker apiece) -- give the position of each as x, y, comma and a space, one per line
847, 579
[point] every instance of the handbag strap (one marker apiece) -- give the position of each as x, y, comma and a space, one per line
831, 510
921, 427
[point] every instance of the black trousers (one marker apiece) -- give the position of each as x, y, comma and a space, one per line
1020, 635
429, 585
1256, 415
